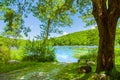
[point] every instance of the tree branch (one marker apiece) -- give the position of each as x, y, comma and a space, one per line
99, 7
114, 7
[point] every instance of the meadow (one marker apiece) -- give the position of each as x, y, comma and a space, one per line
31, 70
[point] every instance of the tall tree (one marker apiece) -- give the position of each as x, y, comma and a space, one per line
52, 14
106, 14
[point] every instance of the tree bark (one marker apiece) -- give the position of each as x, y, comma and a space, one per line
106, 19
47, 31
45, 41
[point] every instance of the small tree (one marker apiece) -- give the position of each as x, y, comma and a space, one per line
12, 12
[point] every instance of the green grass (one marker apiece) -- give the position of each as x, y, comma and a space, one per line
71, 72
10, 67
91, 54
51, 70
31, 67
56, 71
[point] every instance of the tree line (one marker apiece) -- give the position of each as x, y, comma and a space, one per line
82, 38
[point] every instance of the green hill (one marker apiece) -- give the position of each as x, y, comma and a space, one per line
87, 37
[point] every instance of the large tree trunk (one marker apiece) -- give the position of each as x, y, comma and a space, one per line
105, 59
106, 19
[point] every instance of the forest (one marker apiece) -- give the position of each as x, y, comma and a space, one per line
82, 38
91, 54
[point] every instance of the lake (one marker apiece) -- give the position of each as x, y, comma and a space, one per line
66, 53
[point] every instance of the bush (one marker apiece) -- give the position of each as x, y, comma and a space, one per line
38, 52
49, 57
4, 54
87, 53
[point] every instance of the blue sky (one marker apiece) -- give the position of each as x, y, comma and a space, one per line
34, 23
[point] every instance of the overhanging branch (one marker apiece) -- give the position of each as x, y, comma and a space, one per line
114, 7
99, 7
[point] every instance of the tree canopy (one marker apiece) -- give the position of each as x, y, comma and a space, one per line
53, 14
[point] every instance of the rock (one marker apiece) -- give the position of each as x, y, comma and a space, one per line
90, 62
84, 69
37, 76
13, 62
100, 77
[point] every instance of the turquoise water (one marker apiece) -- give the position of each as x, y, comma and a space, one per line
66, 53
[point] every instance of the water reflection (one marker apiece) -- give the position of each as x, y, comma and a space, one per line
66, 53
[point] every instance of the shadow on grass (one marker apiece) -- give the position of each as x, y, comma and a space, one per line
114, 75
84, 76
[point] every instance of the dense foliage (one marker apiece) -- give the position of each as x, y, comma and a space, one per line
31, 50
87, 37
25, 50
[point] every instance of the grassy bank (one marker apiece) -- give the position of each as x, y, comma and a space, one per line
42, 71
45, 71
53, 70
91, 54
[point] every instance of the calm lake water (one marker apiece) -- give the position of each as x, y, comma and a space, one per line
66, 53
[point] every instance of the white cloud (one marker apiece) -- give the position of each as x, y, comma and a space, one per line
93, 27
65, 33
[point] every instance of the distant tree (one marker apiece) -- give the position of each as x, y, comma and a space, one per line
12, 28
12, 13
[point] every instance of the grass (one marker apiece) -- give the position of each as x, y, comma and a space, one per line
91, 54
50, 70
54, 71
9, 67
71, 72
47, 71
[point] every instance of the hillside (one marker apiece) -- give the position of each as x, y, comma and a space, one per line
87, 37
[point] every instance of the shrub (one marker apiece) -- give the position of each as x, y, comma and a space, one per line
87, 53
38, 52
4, 54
